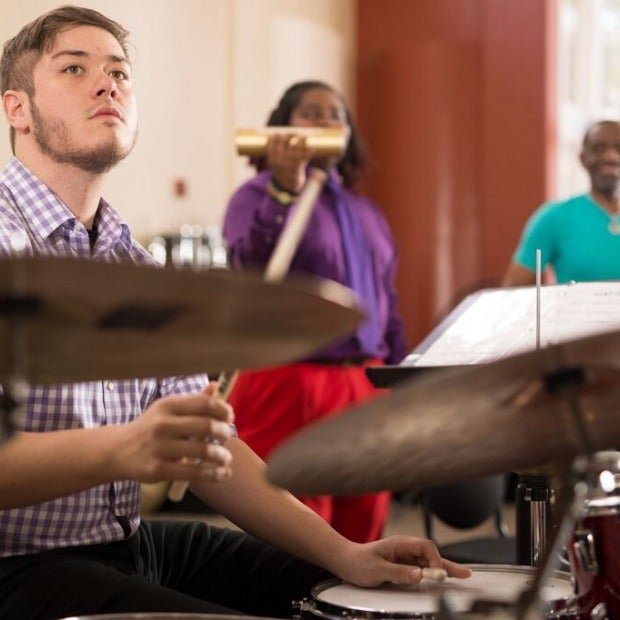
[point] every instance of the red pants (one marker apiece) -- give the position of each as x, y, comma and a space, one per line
270, 405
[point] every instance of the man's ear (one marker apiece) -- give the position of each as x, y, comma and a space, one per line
17, 110
582, 158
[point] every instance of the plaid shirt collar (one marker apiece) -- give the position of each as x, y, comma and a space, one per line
40, 205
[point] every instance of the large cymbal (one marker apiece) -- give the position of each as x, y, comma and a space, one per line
66, 320
450, 425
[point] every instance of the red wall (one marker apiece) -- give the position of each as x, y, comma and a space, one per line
456, 102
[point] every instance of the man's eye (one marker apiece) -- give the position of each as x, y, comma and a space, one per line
73, 69
117, 74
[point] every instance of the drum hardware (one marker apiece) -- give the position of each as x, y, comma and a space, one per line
15, 308
533, 492
193, 247
590, 531
533, 518
567, 506
594, 540
585, 551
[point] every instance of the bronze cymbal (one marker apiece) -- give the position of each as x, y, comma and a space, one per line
453, 424
66, 320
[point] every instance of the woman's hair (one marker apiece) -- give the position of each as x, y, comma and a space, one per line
353, 163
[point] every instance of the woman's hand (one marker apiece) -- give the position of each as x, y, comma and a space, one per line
288, 156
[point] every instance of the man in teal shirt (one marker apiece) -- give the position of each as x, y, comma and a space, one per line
579, 238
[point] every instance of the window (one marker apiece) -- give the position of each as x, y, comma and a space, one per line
588, 80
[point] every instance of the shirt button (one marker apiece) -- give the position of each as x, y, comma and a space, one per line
279, 219
110, 385
268, 238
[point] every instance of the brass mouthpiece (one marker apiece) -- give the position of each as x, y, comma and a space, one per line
326, 142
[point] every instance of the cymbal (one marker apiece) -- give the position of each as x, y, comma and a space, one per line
450, 425
66, 320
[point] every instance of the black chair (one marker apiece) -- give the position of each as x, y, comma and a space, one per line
466, 505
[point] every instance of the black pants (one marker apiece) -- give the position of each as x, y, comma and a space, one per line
165, 567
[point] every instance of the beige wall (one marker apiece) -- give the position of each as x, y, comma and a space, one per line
201, 69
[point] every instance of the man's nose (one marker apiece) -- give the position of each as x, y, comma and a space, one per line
106, 87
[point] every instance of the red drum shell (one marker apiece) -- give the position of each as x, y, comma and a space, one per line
602, 520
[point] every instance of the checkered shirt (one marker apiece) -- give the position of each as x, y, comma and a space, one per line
109, 512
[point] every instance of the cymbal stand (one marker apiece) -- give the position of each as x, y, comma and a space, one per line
572, 492
14, 308
533, 499
533, 518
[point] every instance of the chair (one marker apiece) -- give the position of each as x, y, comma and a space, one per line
467, 505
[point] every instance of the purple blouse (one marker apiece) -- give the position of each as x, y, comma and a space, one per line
254, 221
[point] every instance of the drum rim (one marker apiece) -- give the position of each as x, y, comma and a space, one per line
159, 615
479, 568
328, 609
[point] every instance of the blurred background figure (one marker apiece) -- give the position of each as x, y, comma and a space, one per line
579, 238
347, 240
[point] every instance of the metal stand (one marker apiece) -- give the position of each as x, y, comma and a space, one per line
15, 309
565, 384
10, 404
533, 518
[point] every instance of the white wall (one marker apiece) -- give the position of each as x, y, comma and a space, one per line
201, 69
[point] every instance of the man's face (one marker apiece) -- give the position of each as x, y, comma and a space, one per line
83, 111
601, 157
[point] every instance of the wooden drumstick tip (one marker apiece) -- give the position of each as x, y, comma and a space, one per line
436, 574
177, 490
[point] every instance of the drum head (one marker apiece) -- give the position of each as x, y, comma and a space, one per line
502, 584
160, 616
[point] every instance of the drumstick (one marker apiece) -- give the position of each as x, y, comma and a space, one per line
291, 236
277, 268
436, 574
225, 383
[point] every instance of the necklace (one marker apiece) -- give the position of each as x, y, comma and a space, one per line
613, 213
614, 224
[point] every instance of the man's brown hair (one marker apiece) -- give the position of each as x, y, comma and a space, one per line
21, 53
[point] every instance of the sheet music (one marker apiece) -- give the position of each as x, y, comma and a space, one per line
496, 323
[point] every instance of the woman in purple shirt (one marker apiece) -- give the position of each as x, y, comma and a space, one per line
348, 240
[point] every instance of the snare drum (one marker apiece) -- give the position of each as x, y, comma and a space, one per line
335, 600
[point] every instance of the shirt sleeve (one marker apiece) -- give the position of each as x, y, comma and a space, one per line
253, 223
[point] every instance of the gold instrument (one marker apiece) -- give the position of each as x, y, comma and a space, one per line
326, 142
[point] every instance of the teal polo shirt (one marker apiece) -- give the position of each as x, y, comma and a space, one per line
574, 236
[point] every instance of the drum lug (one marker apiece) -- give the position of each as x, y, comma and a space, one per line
296, 607
599, 612
585, 550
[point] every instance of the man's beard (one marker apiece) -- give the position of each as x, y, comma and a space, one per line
52, 138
